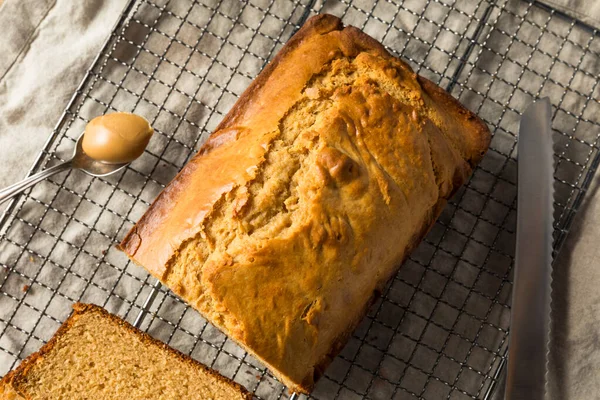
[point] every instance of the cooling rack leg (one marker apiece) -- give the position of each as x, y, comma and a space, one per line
147, 303
496, 389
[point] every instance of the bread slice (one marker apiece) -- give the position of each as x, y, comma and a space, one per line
96, 355
328, 171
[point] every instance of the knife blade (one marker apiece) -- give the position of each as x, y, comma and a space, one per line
530, 310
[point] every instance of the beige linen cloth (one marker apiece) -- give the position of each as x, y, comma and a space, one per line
46, 47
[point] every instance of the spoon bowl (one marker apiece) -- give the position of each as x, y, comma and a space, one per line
90, 166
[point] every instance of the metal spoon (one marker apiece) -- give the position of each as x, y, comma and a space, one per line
80, 161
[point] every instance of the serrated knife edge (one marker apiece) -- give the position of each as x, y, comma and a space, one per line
530, 310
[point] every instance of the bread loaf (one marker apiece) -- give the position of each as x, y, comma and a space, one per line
326, 173
95, 355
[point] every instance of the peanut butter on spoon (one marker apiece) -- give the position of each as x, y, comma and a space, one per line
107, 145
116, 138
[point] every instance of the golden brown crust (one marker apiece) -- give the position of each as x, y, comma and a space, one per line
7, 391
473, 127
383, 144
13, 378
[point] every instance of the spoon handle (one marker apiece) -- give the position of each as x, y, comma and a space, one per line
28, 182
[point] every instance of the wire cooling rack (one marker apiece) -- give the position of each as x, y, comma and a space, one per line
440, 329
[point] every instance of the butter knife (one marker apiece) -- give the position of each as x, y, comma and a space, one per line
530, 311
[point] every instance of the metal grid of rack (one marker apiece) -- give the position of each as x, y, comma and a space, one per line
440, 328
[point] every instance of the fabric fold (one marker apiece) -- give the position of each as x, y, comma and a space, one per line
21, 18
586, 11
